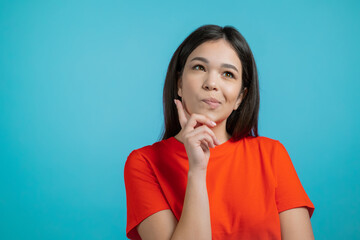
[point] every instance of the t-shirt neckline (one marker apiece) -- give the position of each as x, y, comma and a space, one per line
219, 150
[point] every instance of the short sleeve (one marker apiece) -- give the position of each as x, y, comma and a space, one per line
144, 195
289, 192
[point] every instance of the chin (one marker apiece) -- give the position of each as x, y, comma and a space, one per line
210, 115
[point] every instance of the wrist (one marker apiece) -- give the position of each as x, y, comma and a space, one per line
192, 173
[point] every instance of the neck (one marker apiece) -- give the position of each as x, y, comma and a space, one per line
220, 132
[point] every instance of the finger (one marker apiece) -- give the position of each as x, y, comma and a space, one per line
204, 146
207, 141
195, 119
182, 117
183, 109
202, 131
187, 114
210, 142
200, 139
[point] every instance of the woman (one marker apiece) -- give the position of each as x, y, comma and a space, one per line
211, 176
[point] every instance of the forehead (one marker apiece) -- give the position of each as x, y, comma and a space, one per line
217, 52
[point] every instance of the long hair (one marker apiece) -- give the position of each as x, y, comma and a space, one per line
243, 121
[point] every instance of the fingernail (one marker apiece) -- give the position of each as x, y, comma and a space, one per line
175, 101
213, 123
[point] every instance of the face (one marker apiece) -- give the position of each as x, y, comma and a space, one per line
211, 81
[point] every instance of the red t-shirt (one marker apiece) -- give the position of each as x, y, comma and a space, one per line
249, 183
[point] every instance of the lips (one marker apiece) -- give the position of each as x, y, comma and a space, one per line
212, 102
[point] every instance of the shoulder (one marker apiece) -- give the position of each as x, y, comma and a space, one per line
262, 142
146, 153
264, 147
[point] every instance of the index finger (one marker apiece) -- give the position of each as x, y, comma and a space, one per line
183, 116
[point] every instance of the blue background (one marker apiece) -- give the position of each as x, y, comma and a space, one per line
81, 87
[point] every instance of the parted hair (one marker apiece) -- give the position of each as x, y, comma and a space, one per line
243, 121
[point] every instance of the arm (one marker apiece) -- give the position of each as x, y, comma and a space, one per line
295, 224
194, 222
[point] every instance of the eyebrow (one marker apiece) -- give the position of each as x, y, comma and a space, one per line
222, 65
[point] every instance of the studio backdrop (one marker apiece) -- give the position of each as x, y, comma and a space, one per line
81, 87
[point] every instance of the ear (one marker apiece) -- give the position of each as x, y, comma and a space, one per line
179, 86
240, 98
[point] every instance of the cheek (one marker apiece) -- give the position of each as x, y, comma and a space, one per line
190, 87
231, 93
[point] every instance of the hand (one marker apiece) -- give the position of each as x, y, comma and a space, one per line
197, 137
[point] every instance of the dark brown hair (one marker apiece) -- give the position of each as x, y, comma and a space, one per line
243, 121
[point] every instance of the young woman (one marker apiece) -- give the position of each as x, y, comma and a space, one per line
211, 176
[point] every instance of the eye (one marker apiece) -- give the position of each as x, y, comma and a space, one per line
196, 67
229, 74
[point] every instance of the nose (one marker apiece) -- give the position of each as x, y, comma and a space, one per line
210, 82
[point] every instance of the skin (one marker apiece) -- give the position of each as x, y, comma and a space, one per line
202, 80
198, 134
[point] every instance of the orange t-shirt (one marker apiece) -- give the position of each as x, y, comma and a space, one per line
249, 182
